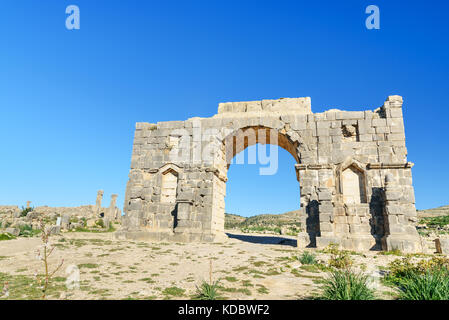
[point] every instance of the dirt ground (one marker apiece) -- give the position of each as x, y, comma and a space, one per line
248, 267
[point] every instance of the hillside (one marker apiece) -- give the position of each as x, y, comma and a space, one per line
435, 212
289, 222
285, 223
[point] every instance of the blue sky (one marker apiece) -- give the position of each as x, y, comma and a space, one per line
69, 99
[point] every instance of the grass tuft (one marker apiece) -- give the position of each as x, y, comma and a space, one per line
307, 258
432, 285
347, 285
208, 291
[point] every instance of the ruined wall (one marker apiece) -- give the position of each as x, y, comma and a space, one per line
343, 161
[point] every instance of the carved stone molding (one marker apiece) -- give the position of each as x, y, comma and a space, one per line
300, 166
406, 165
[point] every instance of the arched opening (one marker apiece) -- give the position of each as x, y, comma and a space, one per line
262, 190
169, 186
248, 136
353, 186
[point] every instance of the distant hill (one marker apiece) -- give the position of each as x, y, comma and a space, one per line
435, 212
289, 223
285, 223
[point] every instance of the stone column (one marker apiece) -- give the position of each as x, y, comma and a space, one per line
400, 232
112, 206
98, 202
110, 216
99, 198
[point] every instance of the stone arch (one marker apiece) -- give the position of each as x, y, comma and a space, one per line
242, 138
319, 142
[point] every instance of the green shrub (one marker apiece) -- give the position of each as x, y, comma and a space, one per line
339, 259
100, 223
432, 285
25, 211
434, 222
28, 231
6, 236
74, 219
400, 270
208, 291
307, 258
347, 285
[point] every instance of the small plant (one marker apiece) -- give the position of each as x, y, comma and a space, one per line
231, 279
432, 285
339, 259
6, 236
262, 289
100, 223
307, 258
88, 265
43, 256
173, 291
28, 231
402, 269
25, 211
208, 290
347, 285
399, 270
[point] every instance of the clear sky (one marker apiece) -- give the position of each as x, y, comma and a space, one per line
69, 99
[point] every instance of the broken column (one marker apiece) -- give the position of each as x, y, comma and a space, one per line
111, 212
112, 206
98, 202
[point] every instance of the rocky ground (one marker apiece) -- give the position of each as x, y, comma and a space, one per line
248, 267
250, 264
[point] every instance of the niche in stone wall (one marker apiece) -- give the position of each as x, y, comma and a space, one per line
350, 132
353, 185
169, 186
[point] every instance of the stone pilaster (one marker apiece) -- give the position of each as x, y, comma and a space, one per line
400, 231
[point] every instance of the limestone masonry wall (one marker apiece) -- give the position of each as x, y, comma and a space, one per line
355, 181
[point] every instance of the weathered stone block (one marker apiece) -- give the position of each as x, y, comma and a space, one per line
13, 231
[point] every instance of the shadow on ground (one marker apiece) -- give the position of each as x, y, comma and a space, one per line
263, 239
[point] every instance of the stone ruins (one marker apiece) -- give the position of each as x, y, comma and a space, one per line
66, 218
354, 178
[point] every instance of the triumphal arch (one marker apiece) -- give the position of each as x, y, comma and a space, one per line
354, 178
